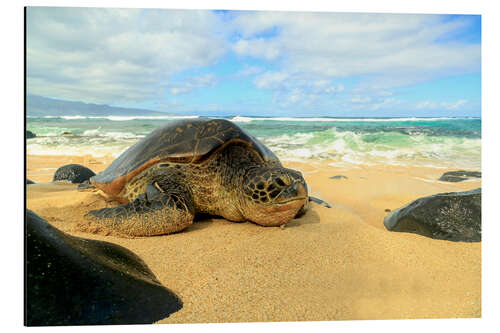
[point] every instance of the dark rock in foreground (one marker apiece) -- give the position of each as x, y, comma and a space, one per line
77, 281
30, 135
338, 177
74, 173
452, 216
29, 181
458, 176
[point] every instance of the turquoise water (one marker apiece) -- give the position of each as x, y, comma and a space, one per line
439, 142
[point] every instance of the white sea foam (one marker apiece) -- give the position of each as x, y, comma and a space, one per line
123, 135
92, 132
73, 117
125, 118
243, 119
341, 147
354, 149
121, 118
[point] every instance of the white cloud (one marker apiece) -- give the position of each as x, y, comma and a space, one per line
385, 93
385, 103
337, 88
249, 70
361, 99
271, 80
258, 47
190, 84
113, 55
295, 89
454, 105
106, 55
383, 51
426, 105
400, 47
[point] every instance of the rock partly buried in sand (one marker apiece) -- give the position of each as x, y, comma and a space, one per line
30, 135
454, 216
29, 181
74, 173
459, 176
77, 281
338, 177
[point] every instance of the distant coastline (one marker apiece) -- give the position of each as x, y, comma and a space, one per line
39, 106
45, 107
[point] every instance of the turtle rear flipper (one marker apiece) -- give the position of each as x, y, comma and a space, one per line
148, 215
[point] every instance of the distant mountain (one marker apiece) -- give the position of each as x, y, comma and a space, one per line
39, 106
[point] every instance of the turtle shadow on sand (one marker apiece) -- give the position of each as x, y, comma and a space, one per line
310, 217
200, 222
203, 221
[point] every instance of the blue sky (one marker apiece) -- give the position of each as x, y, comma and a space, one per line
258, 62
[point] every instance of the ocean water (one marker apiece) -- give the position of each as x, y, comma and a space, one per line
436, 142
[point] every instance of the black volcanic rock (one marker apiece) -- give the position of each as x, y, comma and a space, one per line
454, 216
30, 135
74, 173
458, 176
75, 281
338, 177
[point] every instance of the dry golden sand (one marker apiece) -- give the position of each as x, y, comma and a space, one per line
331, 264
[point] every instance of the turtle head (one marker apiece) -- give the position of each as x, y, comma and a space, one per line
273, 196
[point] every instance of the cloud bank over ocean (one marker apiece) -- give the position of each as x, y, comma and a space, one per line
256, 62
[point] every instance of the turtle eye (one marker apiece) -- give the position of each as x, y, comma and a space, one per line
280, 182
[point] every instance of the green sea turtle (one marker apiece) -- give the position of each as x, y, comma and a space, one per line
194, 166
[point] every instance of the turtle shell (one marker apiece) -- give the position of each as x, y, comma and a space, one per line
181, 141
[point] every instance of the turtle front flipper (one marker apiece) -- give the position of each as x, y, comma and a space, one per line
152, 213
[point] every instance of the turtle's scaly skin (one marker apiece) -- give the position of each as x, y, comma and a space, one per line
232, 175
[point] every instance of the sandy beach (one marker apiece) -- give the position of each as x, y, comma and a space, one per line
336, 263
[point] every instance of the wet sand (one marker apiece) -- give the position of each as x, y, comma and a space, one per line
336, 263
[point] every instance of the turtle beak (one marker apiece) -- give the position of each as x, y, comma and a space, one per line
296, 191
300, 189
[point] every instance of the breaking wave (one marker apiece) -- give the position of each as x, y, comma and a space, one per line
241, 119
118, 118
447, 142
